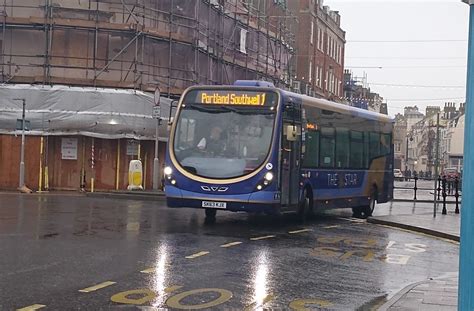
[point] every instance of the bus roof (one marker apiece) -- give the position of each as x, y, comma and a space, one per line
341, 108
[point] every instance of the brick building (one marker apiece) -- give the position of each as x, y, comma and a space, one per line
134, 46
319, 50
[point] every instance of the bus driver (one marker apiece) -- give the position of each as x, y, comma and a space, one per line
215, 144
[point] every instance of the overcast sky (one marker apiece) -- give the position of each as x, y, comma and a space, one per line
438, 63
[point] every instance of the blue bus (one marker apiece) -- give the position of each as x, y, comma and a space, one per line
251, 147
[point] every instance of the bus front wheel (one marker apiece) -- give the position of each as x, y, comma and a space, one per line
305, 209
211, 213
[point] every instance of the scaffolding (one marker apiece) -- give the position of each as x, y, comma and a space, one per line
145, 44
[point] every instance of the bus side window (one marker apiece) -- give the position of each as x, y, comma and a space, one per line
327, 147
342, 148
357, 150
311, 157
374, 145
385, 144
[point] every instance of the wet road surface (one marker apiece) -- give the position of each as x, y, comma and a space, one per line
73, 252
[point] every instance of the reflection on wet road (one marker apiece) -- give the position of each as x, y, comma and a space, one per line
72, 252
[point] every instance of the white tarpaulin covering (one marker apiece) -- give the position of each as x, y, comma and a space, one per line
63, 110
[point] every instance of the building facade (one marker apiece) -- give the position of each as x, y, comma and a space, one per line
102, 47
320, 45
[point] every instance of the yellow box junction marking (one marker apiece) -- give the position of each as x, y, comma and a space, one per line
96, 287
263, 237
203, 253
299, 231
231, 244
31, 308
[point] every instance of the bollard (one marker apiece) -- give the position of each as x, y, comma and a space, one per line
415, 188
444, 196
456, 194
439, 187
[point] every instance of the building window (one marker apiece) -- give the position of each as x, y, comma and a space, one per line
398, 147
311, 33
310, 71
243, 41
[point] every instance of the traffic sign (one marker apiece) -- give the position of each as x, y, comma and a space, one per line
156, 112
19, 125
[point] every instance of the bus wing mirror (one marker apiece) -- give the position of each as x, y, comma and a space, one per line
170, 123
291, 132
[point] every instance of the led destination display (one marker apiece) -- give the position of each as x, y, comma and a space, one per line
224, 97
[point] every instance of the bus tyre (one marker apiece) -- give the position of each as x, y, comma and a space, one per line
211, 213
367, 210
305, 209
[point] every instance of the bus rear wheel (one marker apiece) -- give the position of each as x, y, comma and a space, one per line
366, 210
211, 213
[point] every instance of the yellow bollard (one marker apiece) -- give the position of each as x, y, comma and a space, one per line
92, 184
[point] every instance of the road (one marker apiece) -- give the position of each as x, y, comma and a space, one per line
73, 252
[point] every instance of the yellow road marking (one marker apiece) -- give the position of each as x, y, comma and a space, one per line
309, 304
231, 244
144, 295
255, 304
299, 231
149, 270
96, 287
175, 301
172, 288
31, 308
153, 269
330, 227
263, 237
197, 255
139, 296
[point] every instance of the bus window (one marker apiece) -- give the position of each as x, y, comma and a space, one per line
385, 144
311, 156
374, 145
327, 147
342, 148
357, 150
186, 133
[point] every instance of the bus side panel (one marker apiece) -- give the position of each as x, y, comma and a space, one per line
378, 177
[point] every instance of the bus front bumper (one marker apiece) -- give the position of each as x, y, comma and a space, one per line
258, 202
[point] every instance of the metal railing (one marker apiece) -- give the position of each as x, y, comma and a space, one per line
444, 188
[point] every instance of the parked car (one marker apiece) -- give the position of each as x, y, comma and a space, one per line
397, 174
451, 173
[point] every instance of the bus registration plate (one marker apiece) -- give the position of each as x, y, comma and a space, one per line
208, 204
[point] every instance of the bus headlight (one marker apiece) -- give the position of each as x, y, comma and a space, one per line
269, 176
267, 180
168, 171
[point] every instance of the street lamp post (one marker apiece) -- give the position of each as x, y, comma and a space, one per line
22, 151
156, 161
466, 266
409, 138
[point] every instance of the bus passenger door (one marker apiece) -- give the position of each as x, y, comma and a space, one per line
291, 158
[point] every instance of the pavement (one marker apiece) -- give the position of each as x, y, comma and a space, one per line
435, 293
